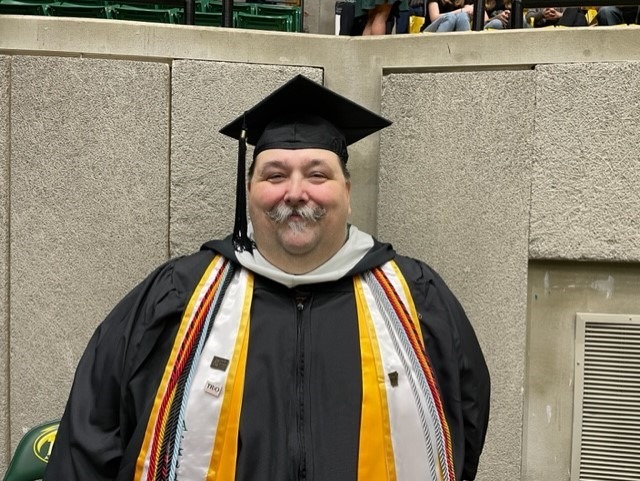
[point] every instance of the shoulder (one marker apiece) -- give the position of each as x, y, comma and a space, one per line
416, 273
163, 292
433, 299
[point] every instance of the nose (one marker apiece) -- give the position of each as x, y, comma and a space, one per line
296, 192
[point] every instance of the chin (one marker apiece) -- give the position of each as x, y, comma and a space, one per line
298, 242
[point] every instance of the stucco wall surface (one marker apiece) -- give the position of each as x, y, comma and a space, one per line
203, 161
5, 66
557, 291
89, 192
454, 192
585, 201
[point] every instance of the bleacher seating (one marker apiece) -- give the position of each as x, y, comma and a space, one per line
139, 14
285, 18
281, 23
13, 7
286, 10
78, 10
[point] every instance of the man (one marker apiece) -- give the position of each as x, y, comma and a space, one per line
299, 348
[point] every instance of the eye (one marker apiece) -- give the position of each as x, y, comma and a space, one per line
318, 175
274, 176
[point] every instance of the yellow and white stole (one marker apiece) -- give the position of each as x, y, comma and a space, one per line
192, 432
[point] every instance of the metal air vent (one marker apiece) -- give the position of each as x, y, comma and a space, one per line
606, 409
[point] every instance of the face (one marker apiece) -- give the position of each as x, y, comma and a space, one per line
299, 201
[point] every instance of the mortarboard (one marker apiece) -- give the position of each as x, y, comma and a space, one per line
301, 114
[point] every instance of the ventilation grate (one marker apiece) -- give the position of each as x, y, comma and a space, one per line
606, 422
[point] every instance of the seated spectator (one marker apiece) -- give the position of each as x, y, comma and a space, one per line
544, 17
448, 16
618, 15
416, 8
498, 13
552, 16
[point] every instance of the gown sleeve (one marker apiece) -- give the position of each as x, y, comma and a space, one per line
475, 383
90, 441
457, 358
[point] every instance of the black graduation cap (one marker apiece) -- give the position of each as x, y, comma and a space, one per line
301, 114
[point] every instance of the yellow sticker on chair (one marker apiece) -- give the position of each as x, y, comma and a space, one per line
44, 443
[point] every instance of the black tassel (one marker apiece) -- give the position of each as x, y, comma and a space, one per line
241, 239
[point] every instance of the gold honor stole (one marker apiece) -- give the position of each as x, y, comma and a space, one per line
192, 432
404, 434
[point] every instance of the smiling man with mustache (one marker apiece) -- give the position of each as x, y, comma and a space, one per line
298, 349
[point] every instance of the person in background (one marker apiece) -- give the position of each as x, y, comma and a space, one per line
448, 16
378, 12
416, 8
544, 17
612, 15
298, 347
498, 13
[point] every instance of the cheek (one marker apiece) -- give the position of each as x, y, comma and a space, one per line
263, 198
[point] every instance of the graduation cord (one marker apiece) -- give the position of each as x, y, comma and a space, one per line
241, 239
407, 340
164, 461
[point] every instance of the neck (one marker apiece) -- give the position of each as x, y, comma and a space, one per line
294, 264
298, 263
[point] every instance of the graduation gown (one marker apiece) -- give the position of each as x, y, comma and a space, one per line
302, 398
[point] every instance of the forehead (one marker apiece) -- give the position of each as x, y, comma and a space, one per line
296, 158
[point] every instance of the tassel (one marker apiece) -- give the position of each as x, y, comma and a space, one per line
241, 239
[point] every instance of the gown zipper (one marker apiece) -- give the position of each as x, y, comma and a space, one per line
301, 298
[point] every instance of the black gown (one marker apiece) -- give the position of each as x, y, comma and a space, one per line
301, 407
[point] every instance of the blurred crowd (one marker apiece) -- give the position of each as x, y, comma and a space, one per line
383, 17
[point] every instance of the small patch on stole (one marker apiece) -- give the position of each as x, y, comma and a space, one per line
220, 363
212, 388
393, 378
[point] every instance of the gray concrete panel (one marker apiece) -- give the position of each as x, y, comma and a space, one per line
207, 96
89, 211
585, 201
5, 69
557, 291
454, 192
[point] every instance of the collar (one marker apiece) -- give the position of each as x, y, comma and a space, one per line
357, 245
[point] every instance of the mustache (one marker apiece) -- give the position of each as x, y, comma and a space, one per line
281, 213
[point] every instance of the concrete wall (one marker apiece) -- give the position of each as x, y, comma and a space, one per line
116, 164
557, 291
89, 210
454, 191
5, 68
585, 199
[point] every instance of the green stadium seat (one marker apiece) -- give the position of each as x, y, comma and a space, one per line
11, 7
209, 19
215, 6
32, 453
293, 12
157, 15
204, 19
280, 23
78, 10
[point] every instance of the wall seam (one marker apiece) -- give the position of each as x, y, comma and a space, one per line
532, 152
7, 276
169, 146
525, 396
